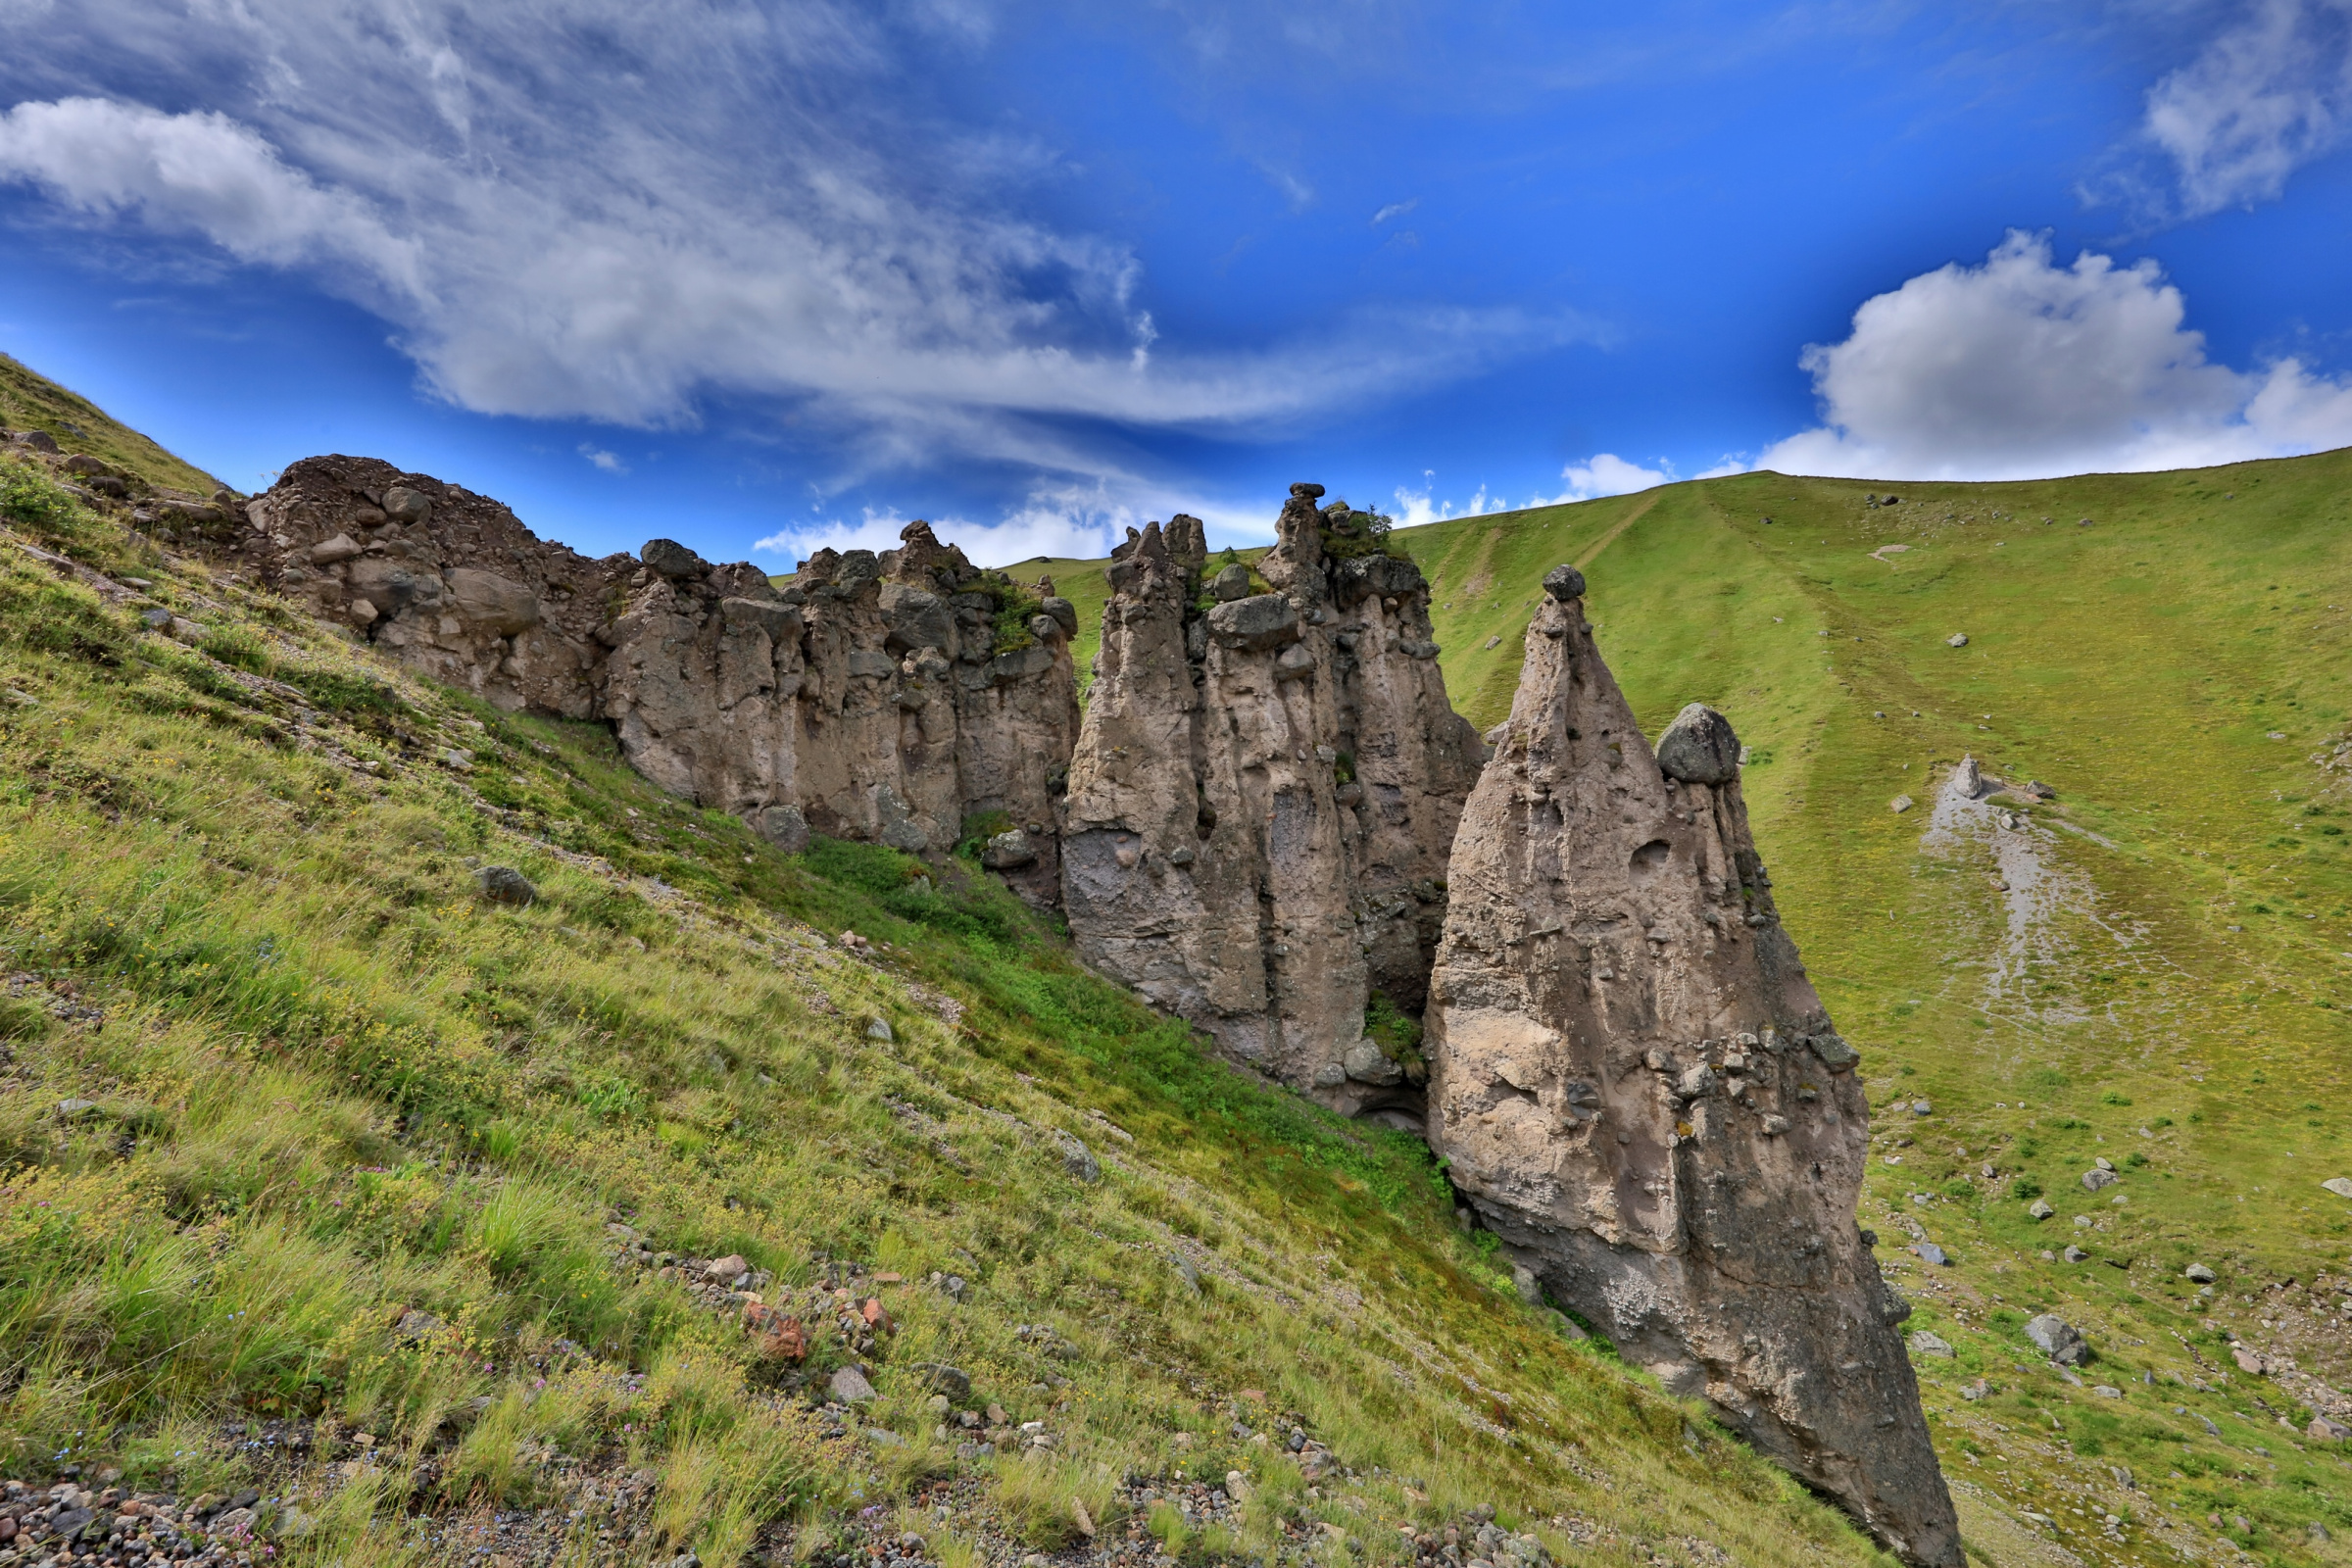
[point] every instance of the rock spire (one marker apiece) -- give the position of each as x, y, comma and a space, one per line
1263, 795
1641, 1094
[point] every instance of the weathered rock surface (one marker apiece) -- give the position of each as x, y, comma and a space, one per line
1264, 796
1638, 1089
877, 700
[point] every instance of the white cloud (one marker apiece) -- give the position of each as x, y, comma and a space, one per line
1080, 521
610, 461
1605, 474
1394, 209
203, 174
580, 208
2268, 95
2021, 368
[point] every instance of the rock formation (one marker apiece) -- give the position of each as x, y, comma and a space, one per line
1264, 796
904, 698
1640, 1092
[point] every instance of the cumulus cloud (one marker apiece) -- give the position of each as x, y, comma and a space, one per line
2269, 93
583, 208
1605, 474
598, 457
2020, 368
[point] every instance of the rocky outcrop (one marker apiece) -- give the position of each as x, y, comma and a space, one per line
906, 698
449, 582
1264, 796
1639, 1091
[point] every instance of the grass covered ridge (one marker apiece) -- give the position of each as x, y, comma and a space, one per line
295, 1127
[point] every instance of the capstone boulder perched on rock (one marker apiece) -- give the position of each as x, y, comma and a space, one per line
1263, 798
1638, 1089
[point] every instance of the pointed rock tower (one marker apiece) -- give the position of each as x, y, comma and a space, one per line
1640, 1092
1263, 795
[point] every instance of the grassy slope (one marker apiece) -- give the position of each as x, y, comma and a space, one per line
2141, 665
327, 1082
33, 402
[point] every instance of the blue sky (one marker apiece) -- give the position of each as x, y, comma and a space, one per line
762, 277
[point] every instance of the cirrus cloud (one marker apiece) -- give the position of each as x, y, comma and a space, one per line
616, 212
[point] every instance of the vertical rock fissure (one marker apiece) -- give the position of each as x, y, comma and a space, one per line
1264, 796
1639, 1091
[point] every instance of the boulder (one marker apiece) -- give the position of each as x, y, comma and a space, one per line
2198, 1273
1699, 748
332, 552
784, 826
672, 559
2058, 1340
1605, 911
850, 1387
1922, 1342
487, 600
942, 1378
1256, 624
1362, 577
1077, 1158
916, 619
406, 505
1009, 851
781, 623
1564, 583
503, 884
1231, 584
1065, 613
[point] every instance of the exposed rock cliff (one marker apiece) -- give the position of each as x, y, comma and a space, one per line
896, 698
1640, 1093
1264, 796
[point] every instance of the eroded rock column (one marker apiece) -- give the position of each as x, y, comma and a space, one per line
1638, 1090
1263, 798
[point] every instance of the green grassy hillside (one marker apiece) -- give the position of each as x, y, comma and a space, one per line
2164, 983
329, 1185
33, 402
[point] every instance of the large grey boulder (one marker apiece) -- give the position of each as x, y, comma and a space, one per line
1564, 583
1620, 1084
916, 619
406, 505
499, 605
1231, 584
1256, 624
2057, 1338
1699, 748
